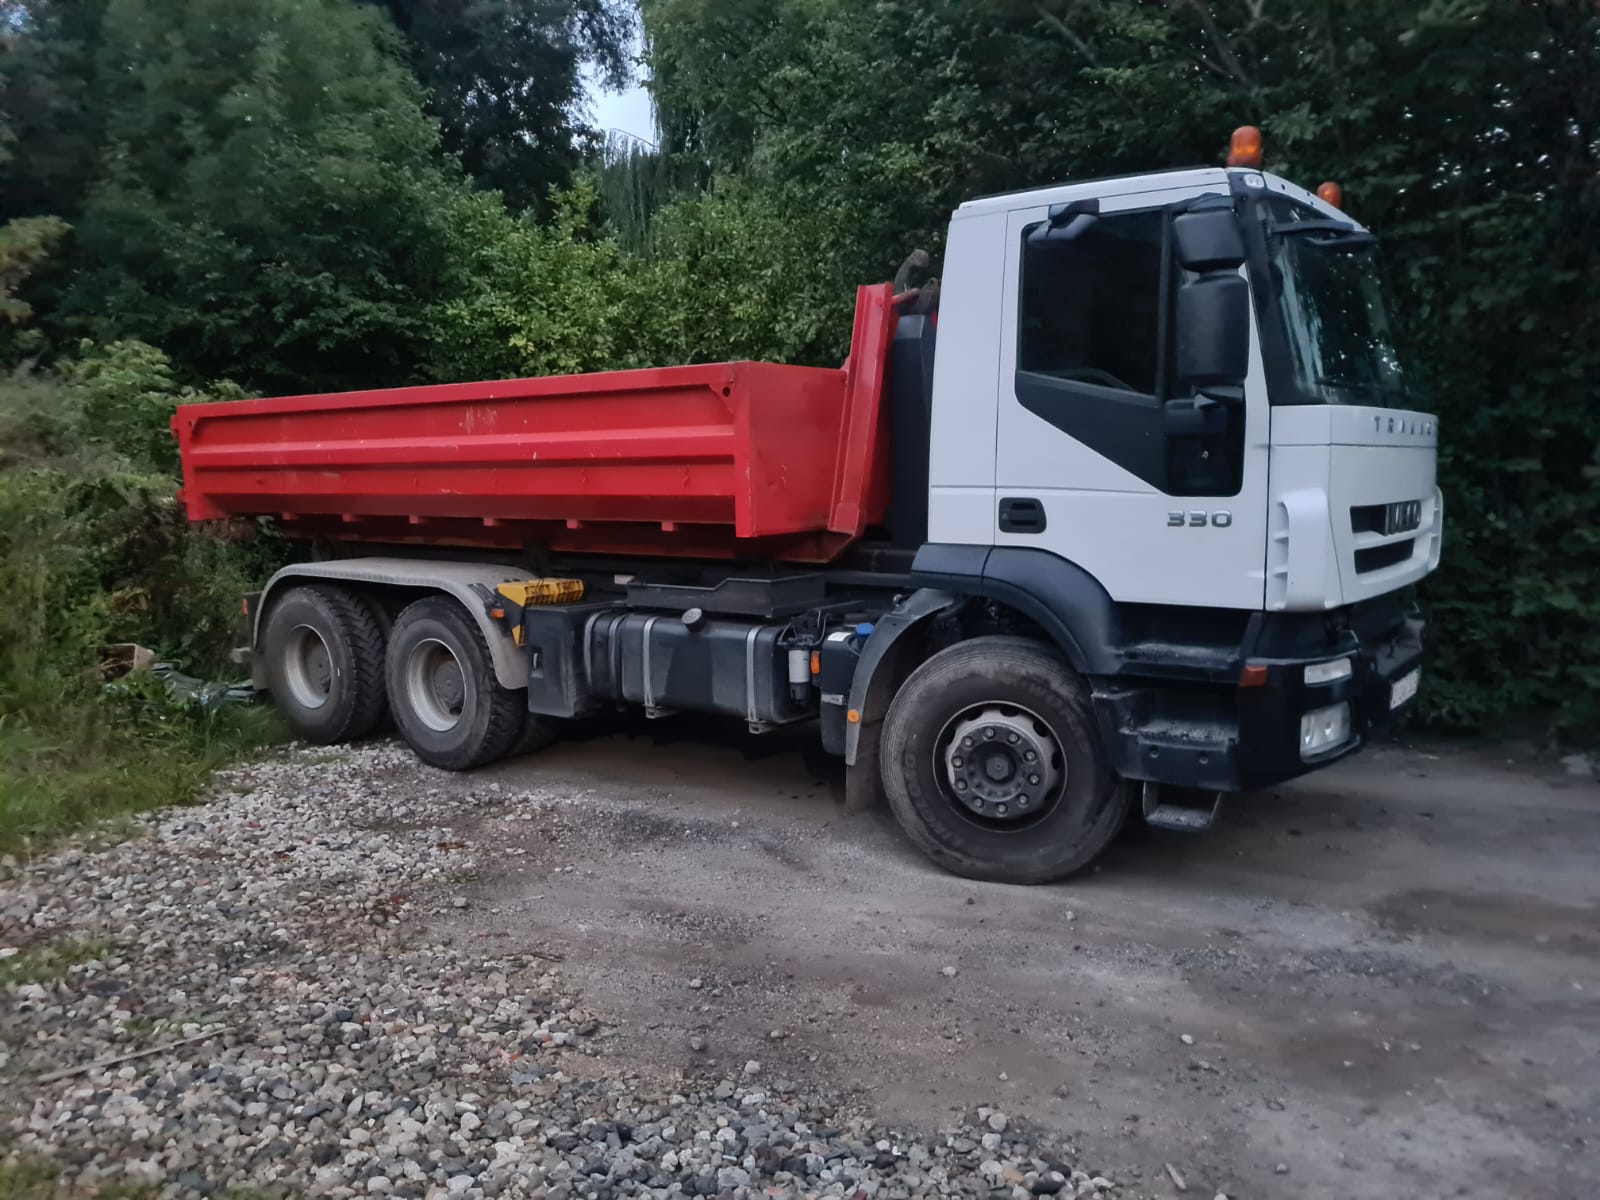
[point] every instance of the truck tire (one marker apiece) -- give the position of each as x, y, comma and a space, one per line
993, 764
324, 664
443, 691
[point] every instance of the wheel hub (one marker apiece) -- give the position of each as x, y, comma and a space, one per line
447, 684
1002, 763
435, 685
308, 668
319, 669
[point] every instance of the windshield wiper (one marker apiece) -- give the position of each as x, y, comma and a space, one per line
1327, 235
1356, 385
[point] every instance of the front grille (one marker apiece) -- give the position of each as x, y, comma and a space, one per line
1375, 558
1401, 516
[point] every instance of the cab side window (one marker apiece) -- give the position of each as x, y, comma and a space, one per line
1091, 308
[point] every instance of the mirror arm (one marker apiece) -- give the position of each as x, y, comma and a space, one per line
1061, 213
1222, 395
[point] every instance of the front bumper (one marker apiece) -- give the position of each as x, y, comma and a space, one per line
1235, 739
1269, 716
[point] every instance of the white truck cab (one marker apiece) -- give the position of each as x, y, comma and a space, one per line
1202, 461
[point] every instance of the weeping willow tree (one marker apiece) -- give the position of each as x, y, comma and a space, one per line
634, 180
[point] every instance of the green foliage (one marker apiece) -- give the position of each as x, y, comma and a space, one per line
24, 244
559, 298
97, 552
47, 962
545, 299
504, 79
634, 182
49, 119
268, 200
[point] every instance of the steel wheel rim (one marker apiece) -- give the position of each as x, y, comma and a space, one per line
1000, 766
308, 667
436, 685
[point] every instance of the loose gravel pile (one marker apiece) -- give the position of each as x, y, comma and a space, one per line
250, 996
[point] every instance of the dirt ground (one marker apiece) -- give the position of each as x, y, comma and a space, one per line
1381, 981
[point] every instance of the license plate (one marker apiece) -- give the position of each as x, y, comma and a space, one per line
1404, 688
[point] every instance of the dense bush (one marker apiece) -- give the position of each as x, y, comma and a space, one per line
96, 552
727, 275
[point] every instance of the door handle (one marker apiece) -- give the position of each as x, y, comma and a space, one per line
1021, 514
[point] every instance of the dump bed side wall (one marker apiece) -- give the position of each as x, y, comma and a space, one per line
720, 459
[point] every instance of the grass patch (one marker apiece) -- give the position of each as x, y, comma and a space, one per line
32, 1178
139, 1028
97, 757
29, 1179
46, 962
36, 1179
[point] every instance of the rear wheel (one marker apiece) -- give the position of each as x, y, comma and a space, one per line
450, 708
324, 663
993, 764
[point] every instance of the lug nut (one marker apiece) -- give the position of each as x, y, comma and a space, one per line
1030, 756
956, 761
1001, 809
989, 734
1033, 779
967, 742
961, 785
1013, 738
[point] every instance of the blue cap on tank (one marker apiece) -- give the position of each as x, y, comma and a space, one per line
864, 629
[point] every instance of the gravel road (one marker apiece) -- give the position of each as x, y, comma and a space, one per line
663, 961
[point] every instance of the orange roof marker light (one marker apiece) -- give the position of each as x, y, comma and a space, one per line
1245, 148
1331, 193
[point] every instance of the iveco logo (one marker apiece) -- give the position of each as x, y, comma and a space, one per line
1411, 425
1402, 516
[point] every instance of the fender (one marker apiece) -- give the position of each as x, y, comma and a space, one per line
871, 702
418, 575
1063, 599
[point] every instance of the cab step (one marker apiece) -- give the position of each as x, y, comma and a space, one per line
1187, 810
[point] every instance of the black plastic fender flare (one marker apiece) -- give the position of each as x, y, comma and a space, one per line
870, 705
1070, 605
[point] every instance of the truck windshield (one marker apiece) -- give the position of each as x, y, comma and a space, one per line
1334, 315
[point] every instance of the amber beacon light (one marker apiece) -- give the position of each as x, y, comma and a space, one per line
1331, 193
1244, 150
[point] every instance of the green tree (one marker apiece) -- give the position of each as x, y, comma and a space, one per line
49, 121
269, 201
504, 78
24, 244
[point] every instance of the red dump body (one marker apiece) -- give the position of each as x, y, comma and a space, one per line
732, 459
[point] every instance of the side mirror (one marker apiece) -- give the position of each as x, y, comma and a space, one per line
1212, 331
1207, 239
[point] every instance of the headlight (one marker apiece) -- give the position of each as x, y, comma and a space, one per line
1322, 729
1328, 672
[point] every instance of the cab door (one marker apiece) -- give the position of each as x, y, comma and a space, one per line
1094, 462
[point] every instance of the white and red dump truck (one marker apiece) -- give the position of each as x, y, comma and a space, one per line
1127, 523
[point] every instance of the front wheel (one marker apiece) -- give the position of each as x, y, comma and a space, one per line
993, 764
442, 688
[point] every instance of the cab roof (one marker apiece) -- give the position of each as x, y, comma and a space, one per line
1197, 179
